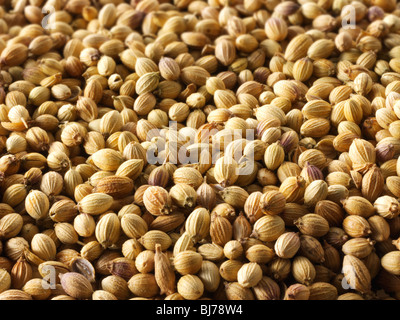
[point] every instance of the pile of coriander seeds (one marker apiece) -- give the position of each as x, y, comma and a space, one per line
191, 149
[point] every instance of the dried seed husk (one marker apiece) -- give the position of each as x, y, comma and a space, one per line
322, 291
115, 186
235, 196
287, 245
274, 156
187, 262
267, 289
356, 274
52, 183
315, 127
316, 191
362, 154
392, 183
76, 285
5, 280
131, 248
66, 233
37, 288
108, 230
358, 247
37, 204
337, 192
164, 273
198, 223
311, 248
143, 285
249, 275
226, 171
44, 247
152, 237
233, 249
84, 267
107, 159
50, 267
123, 267
356, 226
14, 248
21, 273
102, 295
183, 195
268, 228
298, 47
10, 225
95, 203
63, 211
260, 253
206, 196
390, 262
229, 269
331, 211
297, 292
332, 258
252, 206
293, 188
380, 228
190, 287
279, 269
157, 200
116, 286
220, 230
235, 291
313, 225
387, 207
167, 223
131, 168
14, 294
209, 275
211, 252
303, 270
272, 202
358, 206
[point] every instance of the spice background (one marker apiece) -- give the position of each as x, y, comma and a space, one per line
199, 150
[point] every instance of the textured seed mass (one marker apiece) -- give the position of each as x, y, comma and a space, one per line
199, 149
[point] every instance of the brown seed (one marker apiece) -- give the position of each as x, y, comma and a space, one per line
187, 262
358, 247
272, 202
356, 226
297, 292
313, 225
190, 287
268, 228
390, 262
220, 230
303, 270
164, 273
234, 291
356, 274
76, 285
358, 206
10, 225
322, 291
117, 187
311, 248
